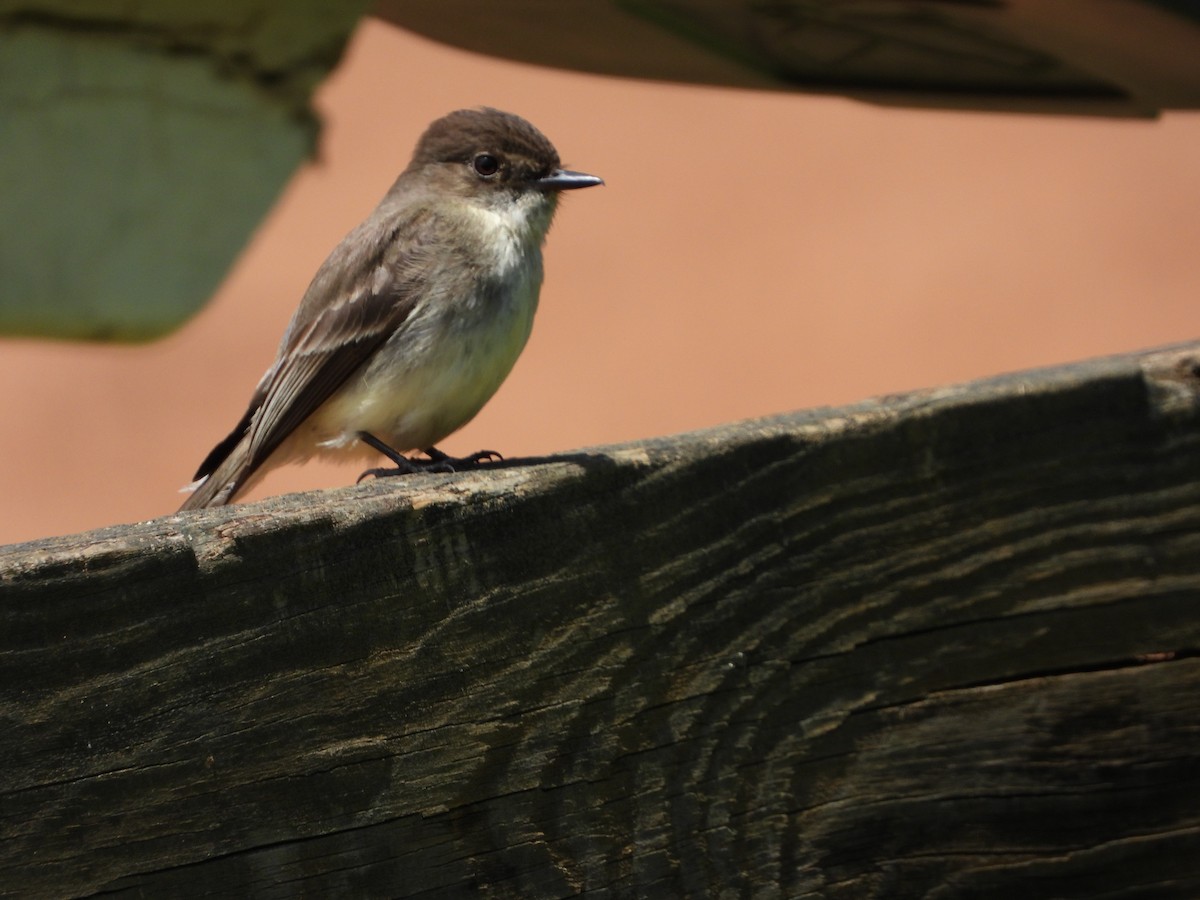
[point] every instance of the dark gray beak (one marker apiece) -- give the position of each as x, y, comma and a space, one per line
564, 180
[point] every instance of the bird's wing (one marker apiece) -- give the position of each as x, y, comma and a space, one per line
362, 294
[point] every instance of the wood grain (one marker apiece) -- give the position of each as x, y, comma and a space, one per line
936, 645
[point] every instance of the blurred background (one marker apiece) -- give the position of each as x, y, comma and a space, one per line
752, 253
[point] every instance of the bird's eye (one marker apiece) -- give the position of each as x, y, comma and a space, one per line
486, 165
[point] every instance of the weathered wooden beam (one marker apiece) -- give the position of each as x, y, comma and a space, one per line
936, 645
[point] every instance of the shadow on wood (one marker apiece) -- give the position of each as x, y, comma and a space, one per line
937, 645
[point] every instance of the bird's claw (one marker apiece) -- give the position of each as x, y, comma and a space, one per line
438, 462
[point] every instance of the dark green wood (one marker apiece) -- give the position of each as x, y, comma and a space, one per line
936, 645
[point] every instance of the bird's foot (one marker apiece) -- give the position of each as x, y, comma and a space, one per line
437, 461
459, 463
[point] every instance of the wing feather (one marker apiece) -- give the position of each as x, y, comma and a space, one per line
360, 297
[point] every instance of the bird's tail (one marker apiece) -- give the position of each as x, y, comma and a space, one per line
224, 483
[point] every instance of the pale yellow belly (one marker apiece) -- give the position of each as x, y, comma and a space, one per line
412, 398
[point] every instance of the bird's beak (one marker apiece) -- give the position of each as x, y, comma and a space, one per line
564, 180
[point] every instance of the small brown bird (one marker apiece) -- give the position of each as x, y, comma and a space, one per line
417, 316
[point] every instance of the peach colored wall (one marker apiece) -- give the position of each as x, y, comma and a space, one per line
750, 254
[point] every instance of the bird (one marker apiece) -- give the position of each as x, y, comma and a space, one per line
415, 319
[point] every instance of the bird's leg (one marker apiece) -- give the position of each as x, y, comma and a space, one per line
402, 464
437, 461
